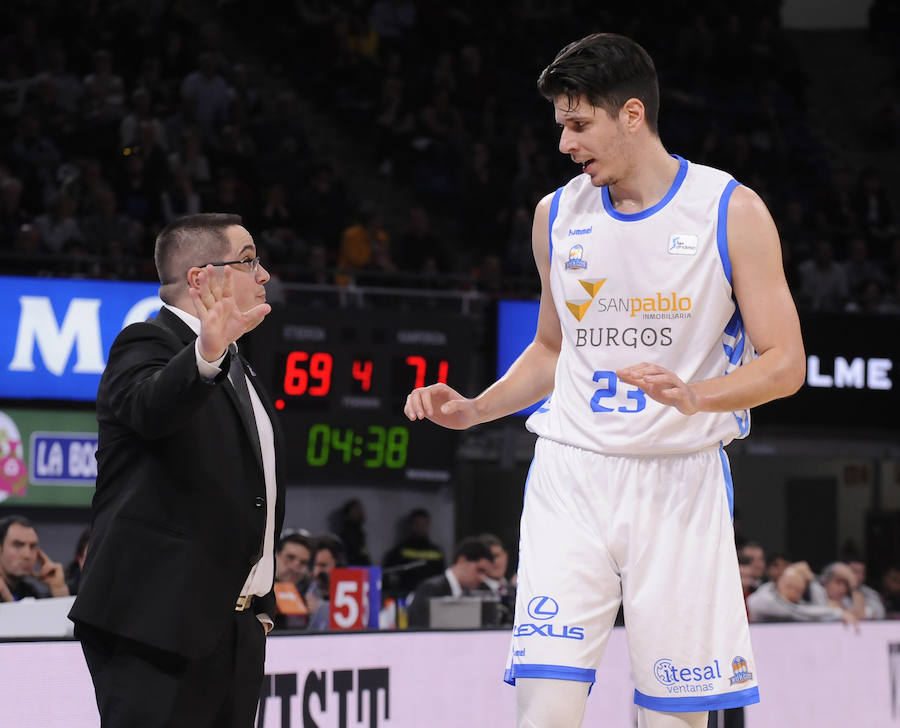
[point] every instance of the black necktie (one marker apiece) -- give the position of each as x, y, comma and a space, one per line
239, 382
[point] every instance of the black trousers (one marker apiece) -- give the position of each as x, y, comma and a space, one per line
139, 686
729, 718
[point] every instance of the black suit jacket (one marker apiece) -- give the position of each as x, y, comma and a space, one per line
418, 614
179, 511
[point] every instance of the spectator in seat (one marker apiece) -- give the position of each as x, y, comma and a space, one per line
859, 268
108, 225
293, 559
348, 525
12, 214
823, 282
73, 570
775, 565
874, 604
329, 555
365, 245
842, 589
755, 558
59, 226
496, 579
210, 93
472, 561
890, 592
787, 599
179, 198
25, 570
417, 551
293, 556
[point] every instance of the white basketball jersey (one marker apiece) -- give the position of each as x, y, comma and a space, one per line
652, 286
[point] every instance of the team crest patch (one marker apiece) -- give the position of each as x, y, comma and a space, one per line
681, 244
741, 671
576, 259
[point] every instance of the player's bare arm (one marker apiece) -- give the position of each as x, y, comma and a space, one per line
770, 318
529, 379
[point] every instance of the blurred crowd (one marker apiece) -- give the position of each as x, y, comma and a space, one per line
416, 569
413, 571
453, 116
118, 117
777, 588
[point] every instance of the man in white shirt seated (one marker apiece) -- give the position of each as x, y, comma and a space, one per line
472, 560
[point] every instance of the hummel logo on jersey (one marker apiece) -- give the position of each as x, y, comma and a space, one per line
682, 244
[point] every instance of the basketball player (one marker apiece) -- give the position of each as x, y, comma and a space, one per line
656, 275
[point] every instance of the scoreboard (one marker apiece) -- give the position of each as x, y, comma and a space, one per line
340, 378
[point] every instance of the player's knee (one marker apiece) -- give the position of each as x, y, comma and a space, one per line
655, 719
547, 703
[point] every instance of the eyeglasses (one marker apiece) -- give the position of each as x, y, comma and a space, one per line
248, 265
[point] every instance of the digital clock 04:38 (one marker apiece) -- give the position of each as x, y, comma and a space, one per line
373, 446
339, 379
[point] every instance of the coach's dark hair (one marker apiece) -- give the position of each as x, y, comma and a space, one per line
607, 70
192, 240
472, 549
8, 521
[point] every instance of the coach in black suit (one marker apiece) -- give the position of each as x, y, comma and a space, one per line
172, 609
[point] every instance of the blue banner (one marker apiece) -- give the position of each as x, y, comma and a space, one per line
62, 458
516, 325
60, 332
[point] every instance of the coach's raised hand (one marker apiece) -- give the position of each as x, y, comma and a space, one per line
221, 319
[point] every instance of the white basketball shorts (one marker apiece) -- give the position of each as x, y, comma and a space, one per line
655, 534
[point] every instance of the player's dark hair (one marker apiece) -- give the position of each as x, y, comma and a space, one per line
472, 548
192, 240
607, 70
8, 521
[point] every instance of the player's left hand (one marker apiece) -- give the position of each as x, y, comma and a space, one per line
662, 385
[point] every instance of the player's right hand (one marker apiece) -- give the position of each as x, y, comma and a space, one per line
442, 405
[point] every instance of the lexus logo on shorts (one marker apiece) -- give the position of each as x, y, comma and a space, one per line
543, 608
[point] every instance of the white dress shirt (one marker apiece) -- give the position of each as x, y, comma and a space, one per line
262, 573
455, 587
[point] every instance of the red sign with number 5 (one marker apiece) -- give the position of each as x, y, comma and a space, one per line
355, 598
